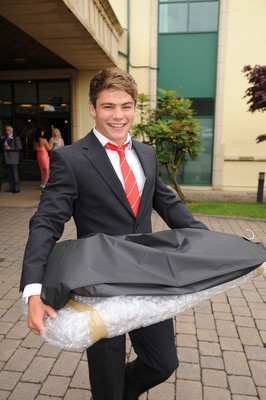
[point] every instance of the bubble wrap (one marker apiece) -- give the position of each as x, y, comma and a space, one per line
73, 330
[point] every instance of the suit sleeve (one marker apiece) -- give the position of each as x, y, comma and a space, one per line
47, 224
170, 208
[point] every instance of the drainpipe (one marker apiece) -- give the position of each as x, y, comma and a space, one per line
127, 54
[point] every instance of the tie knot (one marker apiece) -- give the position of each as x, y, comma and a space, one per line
119, 149
114, 147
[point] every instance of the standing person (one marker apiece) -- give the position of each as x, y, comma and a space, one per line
87, 182
43, 147
12, 147
56, 140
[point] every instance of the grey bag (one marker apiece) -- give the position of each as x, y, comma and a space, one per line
172, 262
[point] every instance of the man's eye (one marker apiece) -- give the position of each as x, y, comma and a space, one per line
127, 107
107, 107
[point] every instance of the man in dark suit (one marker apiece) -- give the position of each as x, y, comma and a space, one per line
88, 181
11, 148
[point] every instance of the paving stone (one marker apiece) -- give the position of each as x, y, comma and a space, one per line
258, 370
235, 292
66, 364
262, 393
20, 360
49, 351
211, 393
236, 363
19, 331
55, 386
239, 301
186, 340
74, 394
41, 397
32, 341
204, 321
188, 355
186, 389
255, 353
223, 316
226, 328
5, 327
244, 321
185, 318
241, 397
188, 371
25, 391
214, 378
12, 315
243, 311
207, 335
259, 314
81, 377
242, 385
212, 362
249, 336
221, 307
204, 307
230, 344
7, 348
261, 324
163, 391
9, 379
4, 394
252, 296
209, 349
219, 298
38, 370
183, 327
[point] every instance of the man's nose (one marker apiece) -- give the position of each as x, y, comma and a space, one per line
117, 113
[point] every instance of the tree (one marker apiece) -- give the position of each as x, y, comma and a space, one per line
256, 92
172, 129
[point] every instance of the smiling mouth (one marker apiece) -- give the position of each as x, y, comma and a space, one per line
117, 125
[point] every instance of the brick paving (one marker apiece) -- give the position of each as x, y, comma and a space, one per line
220, 343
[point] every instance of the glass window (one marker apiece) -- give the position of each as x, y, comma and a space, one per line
203, 16
203, 106
54, 93
173, 18
25, 92
199, 172
5, 92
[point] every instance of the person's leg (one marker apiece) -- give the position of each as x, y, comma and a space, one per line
10, 177
106, 360
156, 358
15, 177
45, 176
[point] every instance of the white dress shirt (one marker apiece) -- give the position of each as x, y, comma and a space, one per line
134, 163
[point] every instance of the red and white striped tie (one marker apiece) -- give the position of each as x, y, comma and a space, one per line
131, 187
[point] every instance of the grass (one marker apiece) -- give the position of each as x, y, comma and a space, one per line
238, 209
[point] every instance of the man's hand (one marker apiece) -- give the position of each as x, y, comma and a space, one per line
36, 313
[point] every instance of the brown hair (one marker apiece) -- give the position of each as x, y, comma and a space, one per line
112, 78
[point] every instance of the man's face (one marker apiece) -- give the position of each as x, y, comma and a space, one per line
8, 130
114, 114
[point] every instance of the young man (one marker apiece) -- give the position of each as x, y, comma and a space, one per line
108, 183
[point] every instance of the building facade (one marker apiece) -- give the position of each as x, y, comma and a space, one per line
50, 50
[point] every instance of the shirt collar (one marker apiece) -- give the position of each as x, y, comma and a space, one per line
104, 140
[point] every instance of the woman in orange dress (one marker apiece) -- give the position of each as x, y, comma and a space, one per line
43, 147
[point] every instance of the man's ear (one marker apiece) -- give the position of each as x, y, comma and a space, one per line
92, 109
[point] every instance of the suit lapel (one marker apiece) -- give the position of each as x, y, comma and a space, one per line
96, 154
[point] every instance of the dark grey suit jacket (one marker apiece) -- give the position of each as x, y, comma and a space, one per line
12, 156
83, 184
